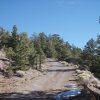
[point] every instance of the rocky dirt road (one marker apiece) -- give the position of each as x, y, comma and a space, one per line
57, 76
54, 79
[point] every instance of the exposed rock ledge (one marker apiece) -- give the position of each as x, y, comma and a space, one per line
4, 61
88, 79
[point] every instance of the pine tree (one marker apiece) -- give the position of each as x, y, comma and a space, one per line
39, 54
89, 52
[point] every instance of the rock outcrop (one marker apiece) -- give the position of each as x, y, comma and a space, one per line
4, 61
88, 79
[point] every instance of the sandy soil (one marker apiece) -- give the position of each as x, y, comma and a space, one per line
55, 77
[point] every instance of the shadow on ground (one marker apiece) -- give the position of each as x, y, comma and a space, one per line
38, 95
60, 70
33, 95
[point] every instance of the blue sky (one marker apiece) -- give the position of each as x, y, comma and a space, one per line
76, 21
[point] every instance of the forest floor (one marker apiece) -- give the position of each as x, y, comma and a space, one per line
39, 86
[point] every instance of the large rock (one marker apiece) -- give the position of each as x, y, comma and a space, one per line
64, 62
88, 79
4, 62
20, 73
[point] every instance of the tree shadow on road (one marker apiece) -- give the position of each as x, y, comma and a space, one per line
33, 95
40, 95
60, 70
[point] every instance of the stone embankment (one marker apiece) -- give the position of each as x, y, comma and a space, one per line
88, 79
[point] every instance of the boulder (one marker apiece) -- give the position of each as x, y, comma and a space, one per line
20, 73
64, 62
88, 79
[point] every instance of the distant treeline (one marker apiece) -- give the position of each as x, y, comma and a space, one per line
25, 52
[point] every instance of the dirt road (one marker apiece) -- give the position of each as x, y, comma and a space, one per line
56, 77
54, 80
